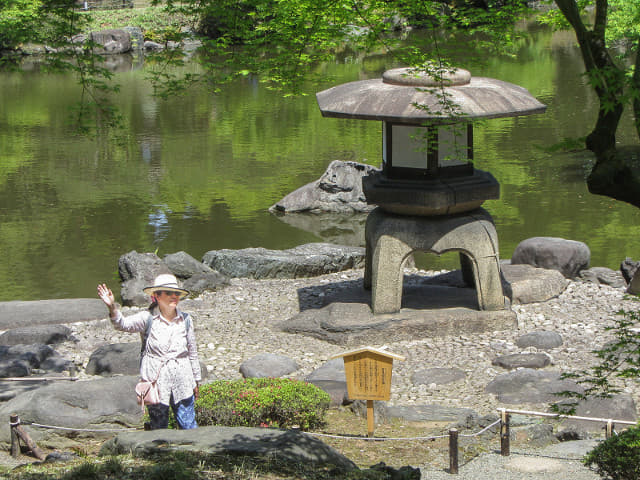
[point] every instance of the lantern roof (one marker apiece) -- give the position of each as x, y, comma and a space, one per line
379, 351
405, 95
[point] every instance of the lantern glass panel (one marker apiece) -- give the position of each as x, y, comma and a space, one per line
453, 145
409, 146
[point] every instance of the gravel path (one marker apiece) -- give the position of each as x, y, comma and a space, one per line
239, 321
560, 461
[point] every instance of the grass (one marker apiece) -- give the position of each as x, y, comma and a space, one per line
362, 451
150, 19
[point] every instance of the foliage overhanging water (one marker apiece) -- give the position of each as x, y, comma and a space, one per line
198, 172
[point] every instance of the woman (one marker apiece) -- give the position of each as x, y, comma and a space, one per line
169, 354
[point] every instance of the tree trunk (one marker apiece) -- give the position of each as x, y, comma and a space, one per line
613, 174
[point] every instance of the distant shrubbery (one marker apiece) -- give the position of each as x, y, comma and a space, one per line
263, 402
618, 457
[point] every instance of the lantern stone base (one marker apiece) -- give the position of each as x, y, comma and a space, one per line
390, 239
439, 196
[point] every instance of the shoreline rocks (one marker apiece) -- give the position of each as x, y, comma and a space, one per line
240, 322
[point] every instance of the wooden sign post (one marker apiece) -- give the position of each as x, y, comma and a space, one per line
368, 375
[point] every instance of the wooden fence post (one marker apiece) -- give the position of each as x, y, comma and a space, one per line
24, 436
14, 421
504, 434
453, 451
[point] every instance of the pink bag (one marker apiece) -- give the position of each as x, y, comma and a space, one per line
147, 393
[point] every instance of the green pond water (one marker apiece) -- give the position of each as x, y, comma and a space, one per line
198, 172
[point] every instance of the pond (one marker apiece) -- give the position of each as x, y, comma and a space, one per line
198, 172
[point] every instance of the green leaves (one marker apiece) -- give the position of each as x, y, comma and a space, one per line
267, 402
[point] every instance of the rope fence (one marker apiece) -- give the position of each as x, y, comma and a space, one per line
18, 434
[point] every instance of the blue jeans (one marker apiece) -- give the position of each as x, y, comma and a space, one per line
184, 412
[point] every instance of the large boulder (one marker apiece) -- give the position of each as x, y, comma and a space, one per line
569, 257
330, 378
183, 265
137, 271
136, 36
21, 360
111, 42
95, 405
338, 190
628, 268
282, 445
307, 260
115, 359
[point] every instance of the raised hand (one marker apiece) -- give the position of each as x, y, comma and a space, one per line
106, 295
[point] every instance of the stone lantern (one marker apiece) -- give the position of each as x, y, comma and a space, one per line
428, 192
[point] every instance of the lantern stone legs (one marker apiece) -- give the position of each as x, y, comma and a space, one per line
391, 238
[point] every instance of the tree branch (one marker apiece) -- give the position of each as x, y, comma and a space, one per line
600, 24
635, 85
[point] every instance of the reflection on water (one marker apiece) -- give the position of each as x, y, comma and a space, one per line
199, 172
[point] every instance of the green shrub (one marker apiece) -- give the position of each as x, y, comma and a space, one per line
617, 457
267, 402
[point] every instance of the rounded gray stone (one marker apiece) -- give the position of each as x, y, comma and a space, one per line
265, 365
542, 340
522, 360
569, 257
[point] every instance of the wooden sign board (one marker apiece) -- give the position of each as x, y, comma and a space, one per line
368, 373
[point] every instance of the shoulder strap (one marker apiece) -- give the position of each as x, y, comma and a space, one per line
145, 335
187, 322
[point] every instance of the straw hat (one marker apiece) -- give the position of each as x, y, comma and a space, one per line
165, 281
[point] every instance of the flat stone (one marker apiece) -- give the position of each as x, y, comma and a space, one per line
307, 260
575, 449
19, 313
617, 407
354, 323
438, 375
527, 284
603, 276
530, 386
44, 334
283, 445
522, 360
431, 413
542, 340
